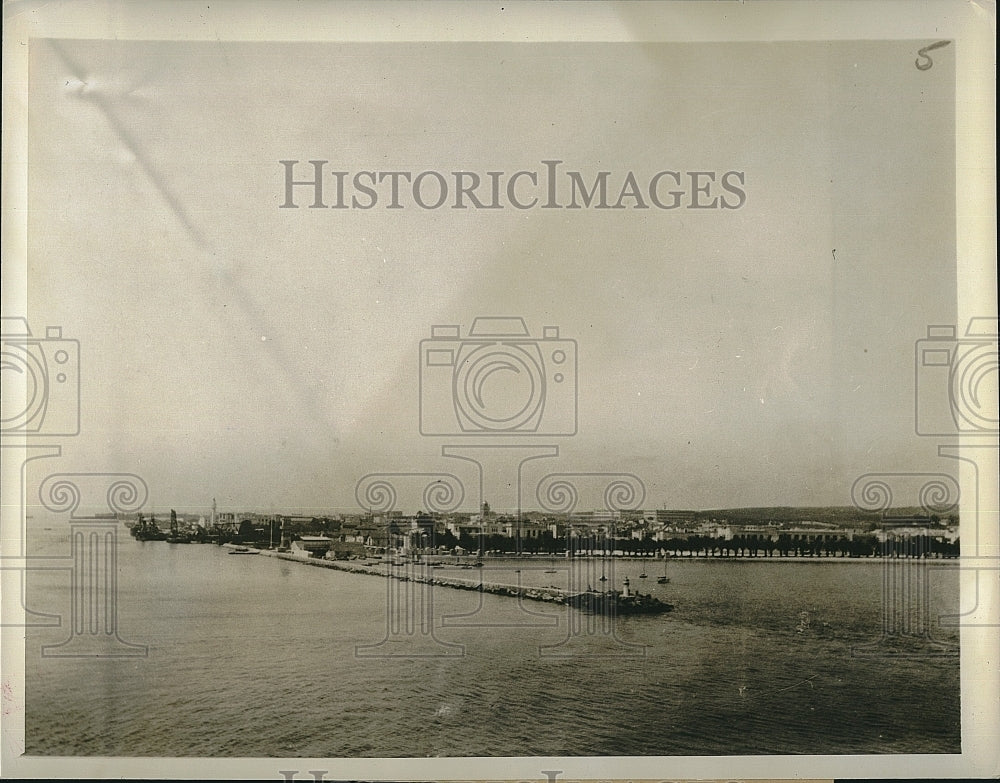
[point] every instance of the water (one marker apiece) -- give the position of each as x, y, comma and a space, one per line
254, 656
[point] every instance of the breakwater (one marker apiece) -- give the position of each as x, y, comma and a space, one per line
609, 601
414, 572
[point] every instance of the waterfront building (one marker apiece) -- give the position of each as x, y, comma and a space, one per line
816, 534
311, 546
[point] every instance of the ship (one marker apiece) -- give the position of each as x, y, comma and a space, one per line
177, 536
617, 602
144, 530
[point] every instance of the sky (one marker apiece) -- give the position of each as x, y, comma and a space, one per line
271, 358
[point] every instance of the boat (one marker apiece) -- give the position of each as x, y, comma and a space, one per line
552, 567
662, 580
147, 531
242, 550
177, 536
617, 602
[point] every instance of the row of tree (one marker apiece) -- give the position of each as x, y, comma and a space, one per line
709, 546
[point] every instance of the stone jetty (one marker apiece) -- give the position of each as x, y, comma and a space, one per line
417, 572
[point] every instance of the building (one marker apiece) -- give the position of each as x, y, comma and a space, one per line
311, 546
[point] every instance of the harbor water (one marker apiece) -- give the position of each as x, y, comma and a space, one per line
258, 656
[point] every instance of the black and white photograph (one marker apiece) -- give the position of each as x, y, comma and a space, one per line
499, 391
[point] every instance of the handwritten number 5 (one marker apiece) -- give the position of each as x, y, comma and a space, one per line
923, 56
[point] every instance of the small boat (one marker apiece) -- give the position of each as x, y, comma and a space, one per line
662, 580
242, 550
614, 602
643, 574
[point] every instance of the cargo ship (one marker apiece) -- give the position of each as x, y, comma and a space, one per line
144, 530
177, 536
